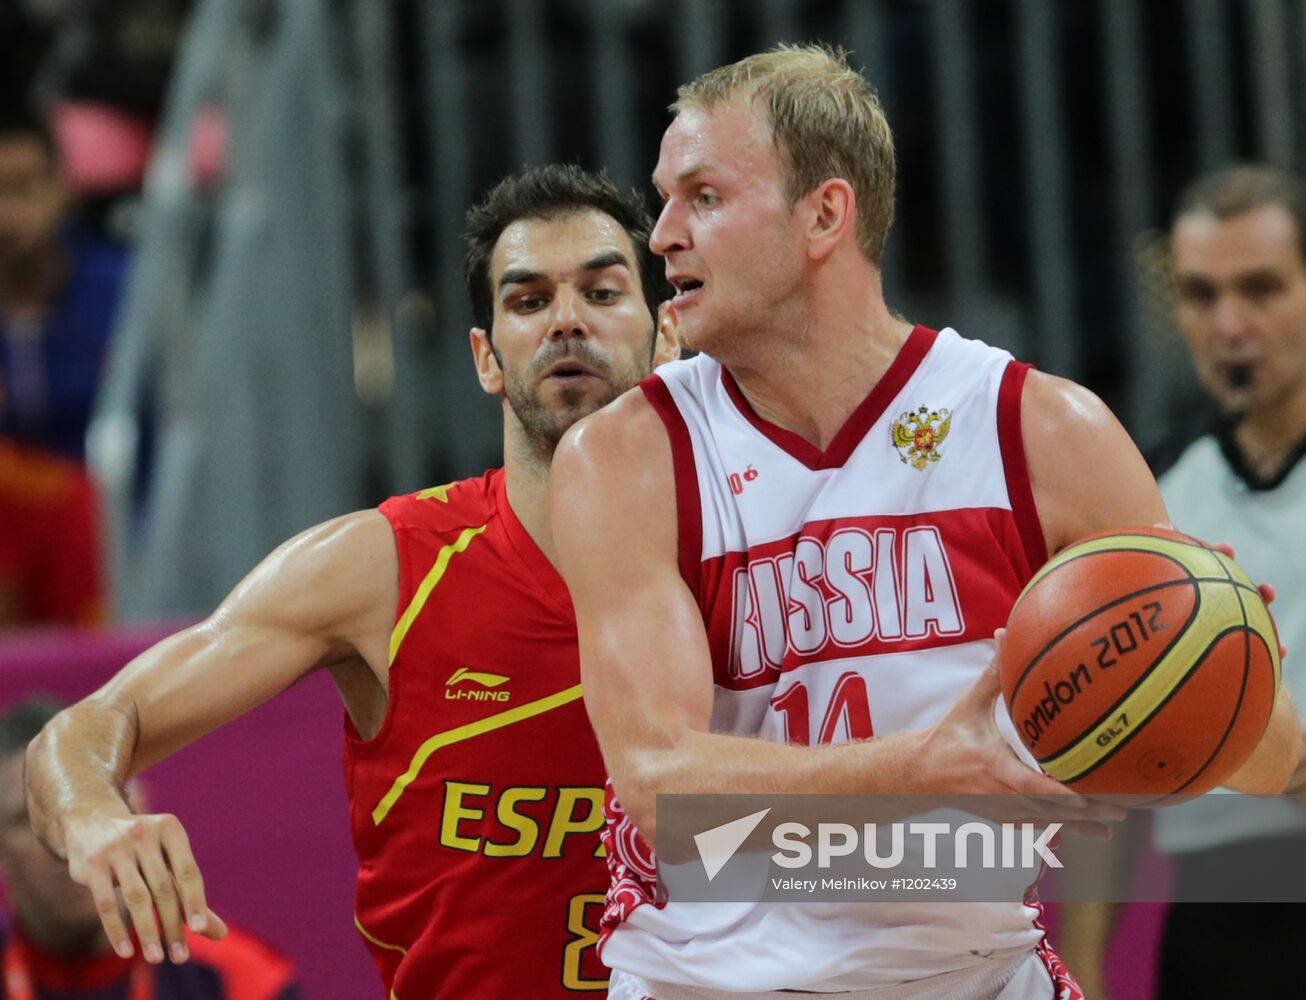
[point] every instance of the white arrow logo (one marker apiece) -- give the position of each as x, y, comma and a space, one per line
718, 845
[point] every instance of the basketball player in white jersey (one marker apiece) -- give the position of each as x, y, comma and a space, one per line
808, 535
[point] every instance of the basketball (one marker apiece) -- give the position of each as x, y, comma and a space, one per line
1140, 662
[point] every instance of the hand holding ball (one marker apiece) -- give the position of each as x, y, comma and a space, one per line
1141, 662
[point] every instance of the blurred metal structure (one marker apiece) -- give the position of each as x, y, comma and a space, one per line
1037, 139
241, 302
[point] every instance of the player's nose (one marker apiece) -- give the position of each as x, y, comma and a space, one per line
669, 233
1232, 320
567, 315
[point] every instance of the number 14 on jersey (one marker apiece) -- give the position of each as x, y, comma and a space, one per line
847, 717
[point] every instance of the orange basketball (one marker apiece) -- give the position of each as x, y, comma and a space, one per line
1140, 662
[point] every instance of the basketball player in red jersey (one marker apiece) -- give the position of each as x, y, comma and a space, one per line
474, 780
835, 510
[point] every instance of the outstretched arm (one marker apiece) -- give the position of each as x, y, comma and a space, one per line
647, 670
325, 597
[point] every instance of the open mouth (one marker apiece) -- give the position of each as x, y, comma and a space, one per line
567, 372
1239, 376
685, 288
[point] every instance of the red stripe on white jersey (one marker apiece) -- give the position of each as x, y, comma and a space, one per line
1011, 439
859, 586
689, 510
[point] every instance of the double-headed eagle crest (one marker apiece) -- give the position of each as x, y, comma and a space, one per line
918, 434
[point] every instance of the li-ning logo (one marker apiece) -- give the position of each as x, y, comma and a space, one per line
737, 479
486, 681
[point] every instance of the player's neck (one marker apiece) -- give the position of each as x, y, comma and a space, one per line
1268, 436
526, 482
811, 384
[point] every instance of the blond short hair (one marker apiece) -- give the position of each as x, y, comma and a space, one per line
825, 118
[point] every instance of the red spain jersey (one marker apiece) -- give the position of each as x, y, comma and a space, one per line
476, 809
50, 558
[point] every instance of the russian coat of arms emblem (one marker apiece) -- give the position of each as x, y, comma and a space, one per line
918, 433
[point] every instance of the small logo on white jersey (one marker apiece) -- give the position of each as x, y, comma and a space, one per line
918, 435
738, 480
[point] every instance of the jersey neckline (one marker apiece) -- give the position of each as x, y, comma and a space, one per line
552, 588
1238, 464
861, 420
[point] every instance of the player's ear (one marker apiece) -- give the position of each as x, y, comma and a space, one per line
487, 365
666, 347
830, 211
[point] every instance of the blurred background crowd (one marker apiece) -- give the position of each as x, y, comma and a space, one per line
229, 236
231, 299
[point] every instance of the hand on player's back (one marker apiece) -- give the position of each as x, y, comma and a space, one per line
965, 754
148, 860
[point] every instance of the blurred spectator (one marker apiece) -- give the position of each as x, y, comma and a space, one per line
103, 85
51, 569
117, 53
54, 946
59, 291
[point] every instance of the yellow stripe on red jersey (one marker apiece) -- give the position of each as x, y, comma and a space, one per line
476, 809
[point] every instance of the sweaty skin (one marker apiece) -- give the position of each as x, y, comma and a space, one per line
325, 598
566, 287
781, 294
614, 472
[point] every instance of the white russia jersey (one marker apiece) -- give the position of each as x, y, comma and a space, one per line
846, 594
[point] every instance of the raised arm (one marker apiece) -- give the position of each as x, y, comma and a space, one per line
646, 666
324, 598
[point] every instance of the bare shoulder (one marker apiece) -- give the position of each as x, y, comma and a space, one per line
1052, 406
363, 535
613, 486
1085, 470
627, 428
621, 451
339, 577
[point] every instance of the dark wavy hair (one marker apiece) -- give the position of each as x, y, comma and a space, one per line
550, 192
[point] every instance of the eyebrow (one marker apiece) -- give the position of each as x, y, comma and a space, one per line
698, 167
1184, 277
599, 262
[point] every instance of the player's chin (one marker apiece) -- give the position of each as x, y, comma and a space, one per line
1233, 403
583, 396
